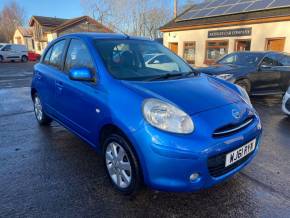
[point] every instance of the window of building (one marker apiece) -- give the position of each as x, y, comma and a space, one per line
78, 56
189, 52
243, 45
215, 50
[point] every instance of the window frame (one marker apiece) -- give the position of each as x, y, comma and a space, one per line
62, 56
183, 53
212, 61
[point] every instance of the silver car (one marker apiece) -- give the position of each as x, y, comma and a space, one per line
13, 52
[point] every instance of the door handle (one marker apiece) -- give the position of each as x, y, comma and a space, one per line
59, 85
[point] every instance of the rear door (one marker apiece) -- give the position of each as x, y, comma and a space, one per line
47, 73
285, 73
268, 76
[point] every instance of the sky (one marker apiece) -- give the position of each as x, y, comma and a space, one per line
55, 8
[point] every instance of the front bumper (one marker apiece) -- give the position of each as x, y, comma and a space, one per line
286, 104
168, 160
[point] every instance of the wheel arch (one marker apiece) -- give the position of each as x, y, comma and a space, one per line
112, 128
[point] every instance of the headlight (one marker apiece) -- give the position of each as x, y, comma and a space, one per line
245, 95
288, 91
225, 76
167, 117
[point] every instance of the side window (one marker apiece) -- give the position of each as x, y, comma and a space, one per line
47, 56
56, 54
78, 56
7, 48
286, 61
271, 60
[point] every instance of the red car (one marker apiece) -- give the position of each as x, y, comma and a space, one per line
32, 56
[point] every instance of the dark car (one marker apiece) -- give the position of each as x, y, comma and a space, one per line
259, 73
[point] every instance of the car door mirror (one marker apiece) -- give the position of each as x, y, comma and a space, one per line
81, 74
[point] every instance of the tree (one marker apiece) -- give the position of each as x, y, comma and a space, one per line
135, 17
11, 16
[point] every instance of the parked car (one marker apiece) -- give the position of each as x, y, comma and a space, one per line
286, 102
259, 73
13, 52
173, 130
33, 56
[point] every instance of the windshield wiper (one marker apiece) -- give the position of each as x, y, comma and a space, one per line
194, 72
165, 76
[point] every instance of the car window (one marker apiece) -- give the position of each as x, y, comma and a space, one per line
78, 56
56, 54
272, 60
47, 56
161, 59
242, 58
125, 59
286, 60
6, 48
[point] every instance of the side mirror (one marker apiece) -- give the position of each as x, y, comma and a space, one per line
81, 74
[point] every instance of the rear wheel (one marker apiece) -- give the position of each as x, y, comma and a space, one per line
121, 164
245, 84
24, 58
40, 115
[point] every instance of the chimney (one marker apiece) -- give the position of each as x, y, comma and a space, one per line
175, 8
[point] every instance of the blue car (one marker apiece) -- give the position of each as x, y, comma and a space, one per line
158, 123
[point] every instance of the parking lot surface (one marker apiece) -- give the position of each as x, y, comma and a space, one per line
49, 172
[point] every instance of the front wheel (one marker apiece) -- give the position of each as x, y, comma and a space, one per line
121, 164
24, 59
40, 115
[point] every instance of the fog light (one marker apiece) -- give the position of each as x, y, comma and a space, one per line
193, 177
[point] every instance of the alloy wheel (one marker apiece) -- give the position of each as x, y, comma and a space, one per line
118, 165
38, 108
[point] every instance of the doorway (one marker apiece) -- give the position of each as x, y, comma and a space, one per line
174, 47
243, 45
275, 44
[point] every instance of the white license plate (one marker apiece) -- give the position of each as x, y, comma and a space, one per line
239, 153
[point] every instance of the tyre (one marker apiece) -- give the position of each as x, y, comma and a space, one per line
245, 84
1, 59
121, 164
41, 117
24, 59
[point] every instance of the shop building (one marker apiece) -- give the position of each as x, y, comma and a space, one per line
206, 32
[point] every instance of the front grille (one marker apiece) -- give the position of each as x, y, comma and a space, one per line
216, 164
233, 128
287, 105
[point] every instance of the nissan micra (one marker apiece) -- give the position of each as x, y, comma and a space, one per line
167, 127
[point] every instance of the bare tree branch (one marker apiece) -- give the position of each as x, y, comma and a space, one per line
11, 16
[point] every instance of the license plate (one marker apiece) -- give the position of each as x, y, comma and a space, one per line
239, 153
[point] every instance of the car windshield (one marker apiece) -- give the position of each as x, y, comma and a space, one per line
244, 59
130, 59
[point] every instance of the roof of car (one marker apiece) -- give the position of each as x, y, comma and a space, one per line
104, 36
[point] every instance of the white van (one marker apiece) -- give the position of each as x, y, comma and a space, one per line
13, 52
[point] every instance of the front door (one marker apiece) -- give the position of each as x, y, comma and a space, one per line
174, 47
268, 76
78, 102
275, 44
243, 45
